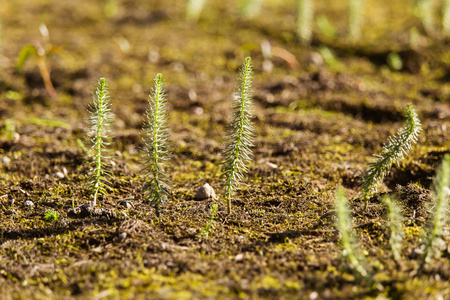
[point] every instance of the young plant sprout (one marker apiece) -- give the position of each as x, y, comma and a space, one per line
393, 152
40, 52
51, 215
194, 9
348, 241
395, 221
157, 187
99, 124
305, 14
237, 153
439, 211
354, 18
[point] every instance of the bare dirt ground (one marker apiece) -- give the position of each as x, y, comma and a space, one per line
317, 125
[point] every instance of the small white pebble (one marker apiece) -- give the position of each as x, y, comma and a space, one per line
59, 175
205, 192
29, 203
313, 295
6, 161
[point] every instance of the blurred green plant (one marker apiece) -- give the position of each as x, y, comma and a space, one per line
355, 11
439, 208
393, 152
100, 122
250, 8
194, 9
207, 230
446, 17
395, 222
156, 134
305, 15
51, 215
350, 245
424, 10
325, 26
237, 153
394, 61
41, 52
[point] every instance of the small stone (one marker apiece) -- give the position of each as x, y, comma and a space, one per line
6, 161
205, 192
122, 237
29, 203
59, 175
126, 204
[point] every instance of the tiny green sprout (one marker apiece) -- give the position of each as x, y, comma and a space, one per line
209, 226
155, 135
194, 9
51, 215
40, 51
348, 241
354, 18
237, 153
100, 126
393, 152
395, 222
305, 15
440, 205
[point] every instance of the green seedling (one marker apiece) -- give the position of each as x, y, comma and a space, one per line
41, 52
349, 243
207, 230
395, 222
239, 139
423, 9
100, 122
51, 215
440, 195
393, 152
250, 8
305, 15
194, 9
355, 9
156, 134
446, 17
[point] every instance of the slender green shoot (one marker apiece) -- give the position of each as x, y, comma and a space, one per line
239, 139
250, 8
348, 241
207, 230
446, 17
393, 152
355, 9
156, 134
439, 211
194, 9
395, 222
305, 14
100, 122
424, 10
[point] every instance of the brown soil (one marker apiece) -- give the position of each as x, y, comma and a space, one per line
316, 125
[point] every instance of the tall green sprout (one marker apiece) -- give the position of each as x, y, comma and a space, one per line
424, 10
446, 17
393, 152
348, 241
439, 211
305, 14
237, 153
194, 9
156, 134
355, 18
395, 221
100, 123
